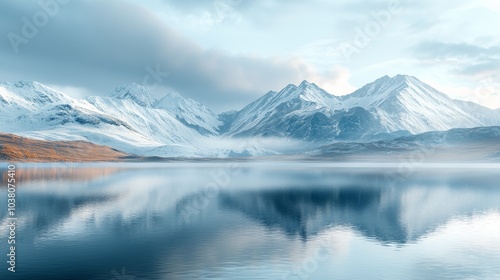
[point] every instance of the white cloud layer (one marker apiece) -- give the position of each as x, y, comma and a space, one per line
225, 53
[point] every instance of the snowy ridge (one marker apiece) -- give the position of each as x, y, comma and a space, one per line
185, 110
132, 119
134, 92
125, 119
406, 103
486, 115
293, 101
150, 122
400, 103
191, 113
25, 95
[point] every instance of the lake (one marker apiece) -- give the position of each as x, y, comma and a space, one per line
253, 220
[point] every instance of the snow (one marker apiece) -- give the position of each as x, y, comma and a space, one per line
134, 92
133, 120
406, 103
304, 100
125, 119
25, 95
191, 112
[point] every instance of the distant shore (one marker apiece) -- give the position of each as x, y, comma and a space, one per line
15, 148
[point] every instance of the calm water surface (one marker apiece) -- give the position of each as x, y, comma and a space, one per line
253, 221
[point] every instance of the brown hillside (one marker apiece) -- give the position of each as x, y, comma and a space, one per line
16, 148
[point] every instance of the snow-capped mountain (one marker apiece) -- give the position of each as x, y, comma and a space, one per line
28, 96
191, 113
305, 112
134, 92
405, 103
301, 101
483, 114
387, 105
158, 126
125, 119
132, 119
185, 110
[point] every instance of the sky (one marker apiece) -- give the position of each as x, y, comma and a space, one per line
227, 53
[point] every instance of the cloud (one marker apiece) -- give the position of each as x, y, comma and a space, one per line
233, 51
444, 50
100, 44
464, 58
475, 66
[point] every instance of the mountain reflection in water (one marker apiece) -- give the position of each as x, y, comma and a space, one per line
265, 221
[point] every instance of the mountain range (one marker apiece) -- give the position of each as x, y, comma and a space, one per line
133, 120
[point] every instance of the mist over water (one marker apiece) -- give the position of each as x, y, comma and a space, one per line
265, 220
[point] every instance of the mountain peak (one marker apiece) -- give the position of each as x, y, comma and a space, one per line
400, 78
303, 89
33, 93
306, 91
288, 88
387, 85
189, 112
173, 95
134, 92
171, 101
305, 83
25, 84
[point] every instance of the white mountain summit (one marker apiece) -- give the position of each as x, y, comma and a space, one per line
132, 119
405, 103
